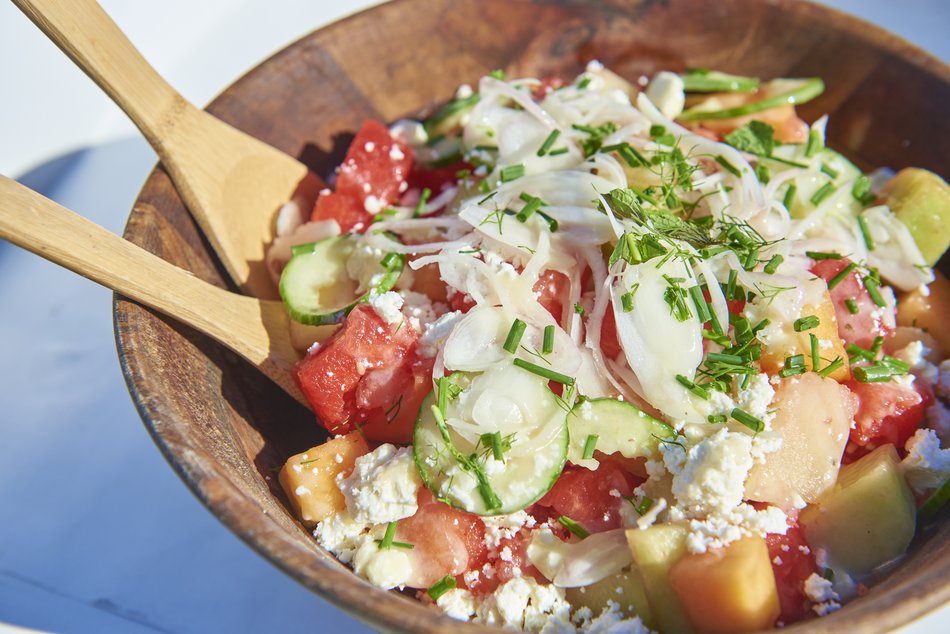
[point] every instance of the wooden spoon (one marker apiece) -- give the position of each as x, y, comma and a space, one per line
231, 182
256, 329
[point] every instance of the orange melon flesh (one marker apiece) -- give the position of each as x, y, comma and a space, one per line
790, 343
928, 312
728, 590
309, 478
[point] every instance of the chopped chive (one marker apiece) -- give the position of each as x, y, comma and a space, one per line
532, 205
441, 586
795, 361
578, 309
789, 196
491, 499
698, 390
387, 539
626, 302
699, 301
787, 372
557, 151
644, 506
583, 83
876, 346
828, 574
573, 526
721, 339
936, 501
759, 326
829, 171
498, 74
512, 172
589, 445
486, 148
856, 352
843, 273
861, 190
815, 143
871, 285
872, 373
544, 373
494, 441
772, 265
552, 223
823, 192
852, 306
751, 259
549, 142
762, 173
719, 357
514, 336
896, 366
831, 367
806, 323
731, 284
815, 352
822, 255
748, 420
633, 158
729, 167
714, 321
716, 418
547, 345
865, 232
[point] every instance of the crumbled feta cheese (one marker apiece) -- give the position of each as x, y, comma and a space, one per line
818, 589
523, 603
373, 205
435, 333
389, 568
756, 398
464, 92
362, 264
926, 465
369, 147
420, 310
396, 154
388, 306
710, 476
457, 603
382, 486
341, 535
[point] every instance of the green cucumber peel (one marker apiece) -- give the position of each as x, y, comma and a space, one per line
701, 80
807, 90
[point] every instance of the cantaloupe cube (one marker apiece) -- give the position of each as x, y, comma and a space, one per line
790, 343
655, 550
309, 478
928, 311
728, 590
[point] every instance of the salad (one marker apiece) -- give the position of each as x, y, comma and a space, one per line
599, 354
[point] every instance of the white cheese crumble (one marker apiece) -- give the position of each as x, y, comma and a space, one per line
382, 486
388, 306
926, 465
523, 603
756, 398
710, 476
457, 603
820, 591
389, 568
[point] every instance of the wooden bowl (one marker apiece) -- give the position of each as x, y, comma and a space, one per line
225, 429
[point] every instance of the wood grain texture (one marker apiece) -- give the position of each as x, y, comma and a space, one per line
225, 177
224, 430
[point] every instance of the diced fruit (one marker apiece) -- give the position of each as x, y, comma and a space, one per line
309, 478
552, 289
869, 321
617, 426
792, 562
591, 498
728, 590
789, 343
375, 167
928, 311
921, 200
813, 415
868, 518
362, 372
445, 541
655, 551
887, 413
624, 588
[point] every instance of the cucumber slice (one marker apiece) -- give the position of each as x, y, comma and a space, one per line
799, 92
454, 453
315, 287
618, 426
702, 80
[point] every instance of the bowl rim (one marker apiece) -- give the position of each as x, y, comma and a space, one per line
232, 507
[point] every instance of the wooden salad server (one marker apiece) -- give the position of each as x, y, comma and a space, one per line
256, 329
232, 183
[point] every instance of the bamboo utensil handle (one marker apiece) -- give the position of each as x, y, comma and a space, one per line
256, 329
231, 182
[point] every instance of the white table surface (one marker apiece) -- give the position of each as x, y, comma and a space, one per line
97, 534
